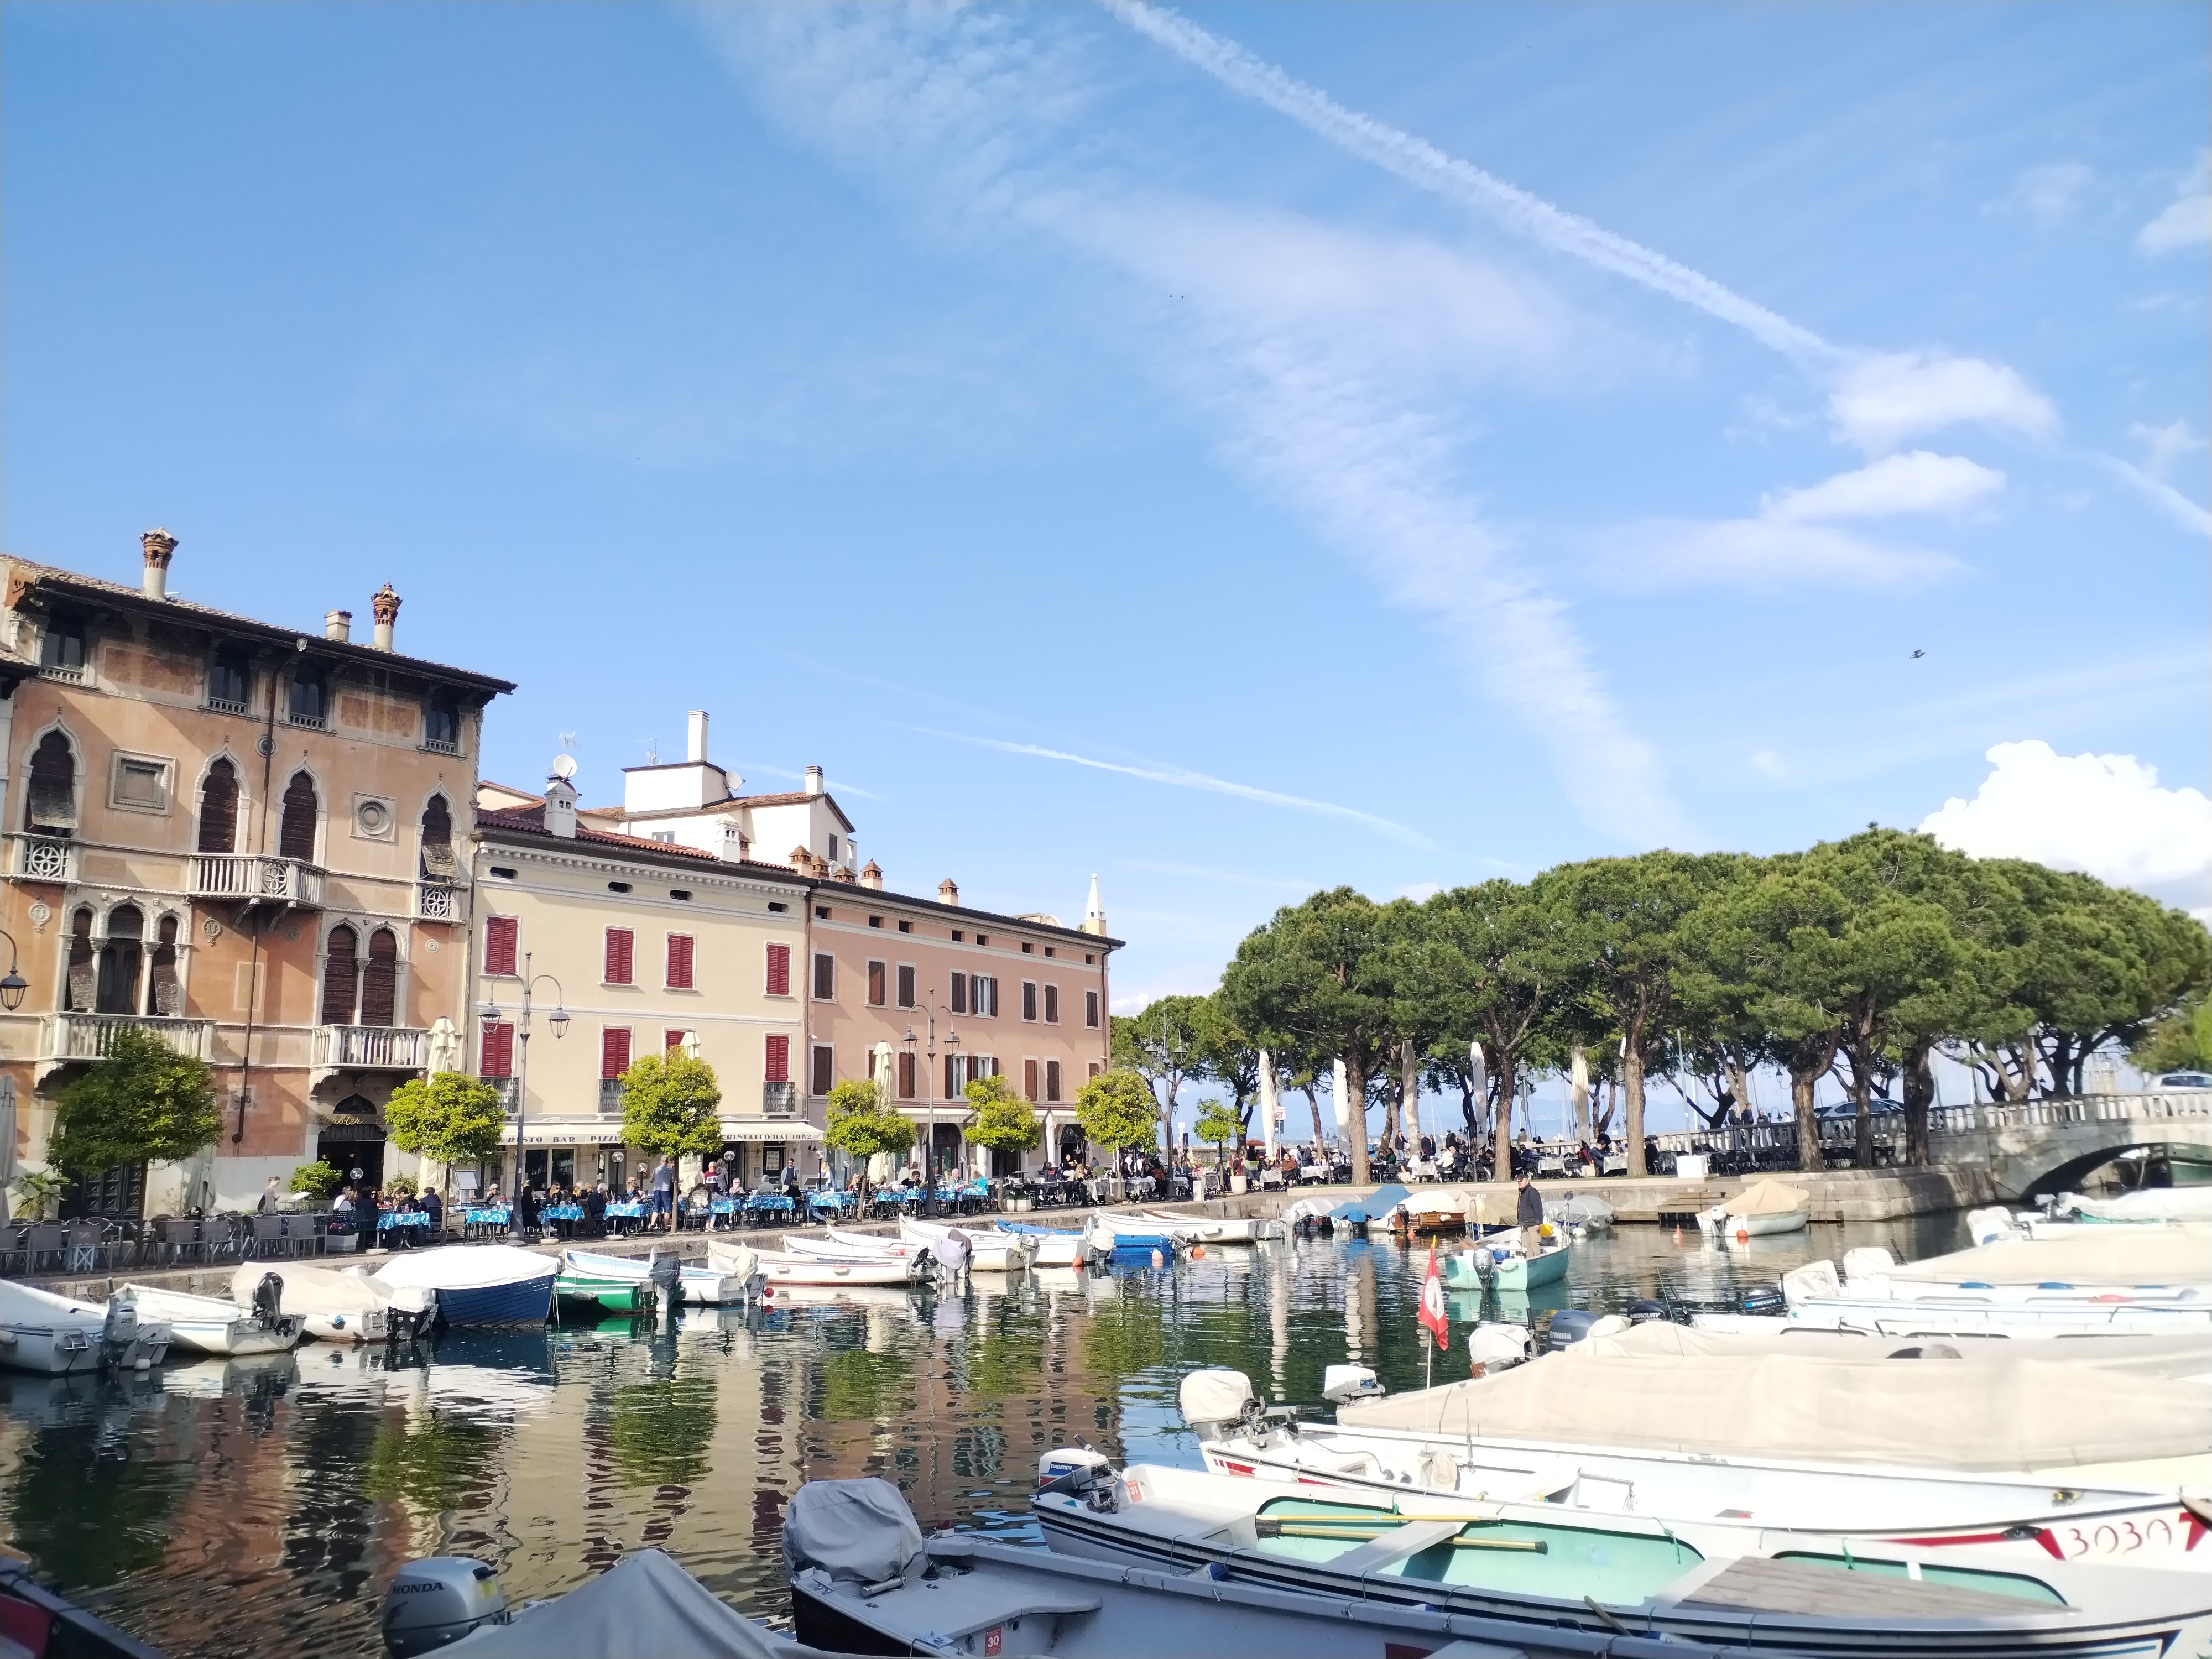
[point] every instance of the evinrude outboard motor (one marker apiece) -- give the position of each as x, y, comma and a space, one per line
1079, 1472
1763, 1299
1217, 1401
439, 1599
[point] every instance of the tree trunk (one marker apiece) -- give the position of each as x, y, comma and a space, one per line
1861, 1102
1467, 1110
1631, 1077
1313, 1105
1739, 1076
1509, 1080
1578, 1081
1393, 1122
1808, 1126
1409, 1091
1919, 1092
1355, 1093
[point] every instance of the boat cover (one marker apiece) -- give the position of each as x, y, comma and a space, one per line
734, 1260
2147, 1204
1378, 1203
1579, 1210
2097, 1258
2179, 1355
468, 1267
644, 1606
860, 1530
1770, 1198
1999, 1415
324, 1291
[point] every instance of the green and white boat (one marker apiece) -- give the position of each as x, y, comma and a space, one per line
616, 1294
1497, 1267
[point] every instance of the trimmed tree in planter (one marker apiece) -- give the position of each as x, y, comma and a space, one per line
450, 1119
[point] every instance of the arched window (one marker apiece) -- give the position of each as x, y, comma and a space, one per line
165, 989
78, 994
119, 961
379, 984
219, 809
52, 798
340, 975
230, 680
296, 837
438, 864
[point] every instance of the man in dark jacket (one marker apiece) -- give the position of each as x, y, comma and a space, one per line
1528, 1211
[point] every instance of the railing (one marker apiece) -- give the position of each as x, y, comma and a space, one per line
779, 1100
2185, 1105
74, 675
253, 876
510, 1096
437, 901
611, 1096
372, 1047
92, 1037
42, 858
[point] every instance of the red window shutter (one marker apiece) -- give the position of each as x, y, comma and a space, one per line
620, 944
1029, 1079
498, 1059
779, 970
614, 1051
670, 1040
679, 962
501, 935
777, 1060
1052, 1079
825, 1069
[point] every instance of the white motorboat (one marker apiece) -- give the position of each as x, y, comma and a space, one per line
856, 1243
2144, 1204
1216, 1229
780, 1268
2166, 1264
835, 1249
2006, 1456
1626, 1576
1128, 1234
1054, 1249
55, 1336
1578, 1214
479, 1284
208, 1324
994, 1252
1760, 1210
339, 1305
700, 1284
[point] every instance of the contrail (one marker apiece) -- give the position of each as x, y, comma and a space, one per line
1182, 778
1421, 163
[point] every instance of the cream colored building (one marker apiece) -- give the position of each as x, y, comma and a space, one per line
645, 944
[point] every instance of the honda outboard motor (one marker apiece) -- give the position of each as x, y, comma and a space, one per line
1340, 1383
1216, 1400
439, 1599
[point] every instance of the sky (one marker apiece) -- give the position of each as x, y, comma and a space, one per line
1232, 450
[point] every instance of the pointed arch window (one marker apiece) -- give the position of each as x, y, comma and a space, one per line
379, 982
340, 975
79, 991
120, 961
219, 808
165, 990
52, 796
296, 837
438, 861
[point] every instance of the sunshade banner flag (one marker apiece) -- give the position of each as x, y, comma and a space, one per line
1433, 1313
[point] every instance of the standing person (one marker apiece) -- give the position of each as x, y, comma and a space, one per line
271, 1196
664, 1195
1528, 1211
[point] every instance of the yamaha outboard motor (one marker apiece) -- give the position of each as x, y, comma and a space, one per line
1568, 1326
269, 1299
441, 1600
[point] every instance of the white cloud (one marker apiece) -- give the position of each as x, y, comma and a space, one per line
1883, 398
2163, 495
2187, 219
2165, 445
2105, 814
1916, 482
2049, 194
1420, 891
1767, 554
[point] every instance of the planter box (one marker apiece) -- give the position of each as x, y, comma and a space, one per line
1240, 1184
1690, 1166
1021, 1205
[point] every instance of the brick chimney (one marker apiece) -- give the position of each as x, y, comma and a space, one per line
385, 602
158, 546
948, 891
871, 875
337, 625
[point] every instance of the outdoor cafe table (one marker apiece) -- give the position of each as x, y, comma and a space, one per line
759, 1206
411, 1226
826, 1202
567, 1215
623, 1209
481, 1218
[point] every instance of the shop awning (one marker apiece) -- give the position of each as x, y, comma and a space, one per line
553, 1132
737, 1129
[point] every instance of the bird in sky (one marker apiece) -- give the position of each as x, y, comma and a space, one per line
1919, 653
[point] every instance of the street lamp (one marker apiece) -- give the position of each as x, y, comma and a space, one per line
13, 985
558, 1020
929, 1135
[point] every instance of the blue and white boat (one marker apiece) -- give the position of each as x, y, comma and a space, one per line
480, 1284
702, 1284
1055, 1247
1127, 1236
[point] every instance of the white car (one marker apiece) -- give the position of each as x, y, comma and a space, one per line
2186, 1080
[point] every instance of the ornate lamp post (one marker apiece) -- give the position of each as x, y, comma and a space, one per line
558, 1020
13, 985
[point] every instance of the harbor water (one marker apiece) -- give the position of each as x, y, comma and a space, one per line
260, 1507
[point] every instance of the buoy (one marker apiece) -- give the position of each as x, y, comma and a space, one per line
1196, 1249
1743, 1235
1157, 1260
1678, 1232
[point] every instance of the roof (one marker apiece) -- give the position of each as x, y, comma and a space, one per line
526, 824
878, 895
789, 798
98, 590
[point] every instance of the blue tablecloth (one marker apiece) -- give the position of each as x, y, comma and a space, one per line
387, 1223
724, 1206
491, 1215
630, 1208
562, 1212
768, 1204
840, 1202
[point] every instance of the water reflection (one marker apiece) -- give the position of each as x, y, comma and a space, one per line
258, 1507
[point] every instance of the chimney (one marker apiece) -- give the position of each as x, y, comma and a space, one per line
385, 602
948, 891
871, 875
695, 748
802, 860
158, 545
337, 625
814, 780
560, 804
734, 842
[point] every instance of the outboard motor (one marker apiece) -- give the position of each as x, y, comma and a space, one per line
1763, 1299
1340, 1383
1493, 1346
268, 1300
1814, 1281
1078, 1471
953, 1252
860, 1531
439, 1599
1644, 1311
1571, 1325
1217, 1402
666, 1274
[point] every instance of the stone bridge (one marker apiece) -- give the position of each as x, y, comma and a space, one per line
2030, 1147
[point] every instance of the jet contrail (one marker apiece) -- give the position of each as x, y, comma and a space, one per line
1421, 163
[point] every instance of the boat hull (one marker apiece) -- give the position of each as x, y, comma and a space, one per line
522, 1302
989, 1252
615, 1295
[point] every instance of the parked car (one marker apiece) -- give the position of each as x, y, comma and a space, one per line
2186, 1080
1878, 1107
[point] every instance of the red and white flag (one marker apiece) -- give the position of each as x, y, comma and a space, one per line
1434, 1314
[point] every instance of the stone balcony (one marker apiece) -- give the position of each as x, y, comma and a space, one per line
368, 1048
43, 858
73, 1038
258, 878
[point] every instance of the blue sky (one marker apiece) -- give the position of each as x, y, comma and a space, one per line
1232, 450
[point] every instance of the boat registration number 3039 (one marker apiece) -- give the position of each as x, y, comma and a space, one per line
2123, 1535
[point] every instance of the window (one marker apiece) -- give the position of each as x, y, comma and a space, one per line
821, 913
1047, 950
825, 977
1029, 1079
441, 723
679, 962
666, 835
905, 1071
983, 995
503, 872
1052, 1005
672, 1041
1051, 1081
379, 982
1027, 947
775, 1062
960, 994
825, 1069
906, 927
1093, 1068
140, 782
779, 970
1029, 999
1091, 1009
501, 935
777, 907
951, 1076
1089, 958
614, 1050
437, 832
875, 921
229, 682
906, 985
61, 646
832, 849
982, 939
681, 896
498, 1057
875, 985
308, 703
53, 808
295, 835
622, 945
617, 887
957, 936
219, 808
340, 975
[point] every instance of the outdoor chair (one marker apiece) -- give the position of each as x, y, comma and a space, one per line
44, 1241
81, 1251
268, 1235
180, 1238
